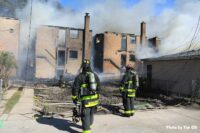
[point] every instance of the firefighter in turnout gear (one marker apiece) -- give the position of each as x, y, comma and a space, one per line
128, 87
85, 90
61, 82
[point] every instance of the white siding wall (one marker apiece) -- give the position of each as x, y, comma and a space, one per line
175, 75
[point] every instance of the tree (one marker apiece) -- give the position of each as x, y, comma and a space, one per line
7, 65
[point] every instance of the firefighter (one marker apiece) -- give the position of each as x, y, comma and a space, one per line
128, 87
85, 90
61, 82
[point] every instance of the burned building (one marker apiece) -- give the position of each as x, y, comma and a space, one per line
10, 35
154, 42
173, 74
113, 51
61, 50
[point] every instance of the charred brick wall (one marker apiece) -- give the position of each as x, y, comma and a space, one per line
9, 35
113, 51
46, 52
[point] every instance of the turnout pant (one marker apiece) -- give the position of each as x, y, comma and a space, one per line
87, 118
128, 103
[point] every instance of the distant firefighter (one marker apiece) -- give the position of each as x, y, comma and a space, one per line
128, 87
61, 82
85, 92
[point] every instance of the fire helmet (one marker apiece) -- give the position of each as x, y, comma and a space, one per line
86, 65
129, 66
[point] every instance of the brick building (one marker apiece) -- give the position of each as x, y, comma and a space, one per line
155, 42
61, 50
10, 35
113, 51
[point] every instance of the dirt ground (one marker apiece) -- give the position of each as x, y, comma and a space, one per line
173, 119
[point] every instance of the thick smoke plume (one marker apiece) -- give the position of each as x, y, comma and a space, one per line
174, 25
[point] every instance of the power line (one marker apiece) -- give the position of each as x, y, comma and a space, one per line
197, 38
183, 44
190, 42
29, 42
183, 67
195, 33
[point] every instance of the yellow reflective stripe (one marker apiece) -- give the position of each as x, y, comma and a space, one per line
129, 111
131, 95
84, 85
74, 97
90, 97
132, 111
86, 131
131, 90
121, 88
91, 104
130, 82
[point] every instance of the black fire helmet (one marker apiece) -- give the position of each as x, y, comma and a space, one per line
86, 65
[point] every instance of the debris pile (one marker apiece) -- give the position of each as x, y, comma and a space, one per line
52, 99
110, 95
58, 100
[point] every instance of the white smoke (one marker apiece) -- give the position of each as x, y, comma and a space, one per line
146, 52
174, 25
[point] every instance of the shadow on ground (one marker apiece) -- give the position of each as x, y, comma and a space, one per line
60, 124
112, 109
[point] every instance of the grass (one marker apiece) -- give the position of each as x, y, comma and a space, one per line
1, 124
12, 101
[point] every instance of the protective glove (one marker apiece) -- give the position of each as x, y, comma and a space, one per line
75, 102
120, 89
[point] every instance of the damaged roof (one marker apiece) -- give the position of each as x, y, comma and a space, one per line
118, 33
193, 54
62, 27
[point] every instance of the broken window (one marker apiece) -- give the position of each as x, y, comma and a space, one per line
123, 60
61, 58
123, 43
132, 57
73, 33
73, 54
132, 40
61, 38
